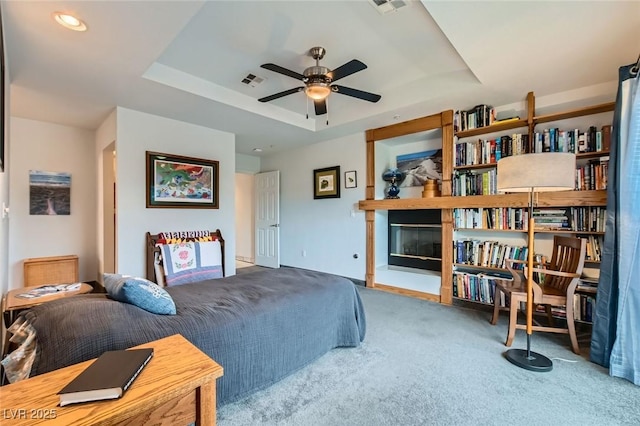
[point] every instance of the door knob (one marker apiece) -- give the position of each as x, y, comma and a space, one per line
276, 225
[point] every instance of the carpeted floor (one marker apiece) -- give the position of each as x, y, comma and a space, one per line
426, 364
248, 269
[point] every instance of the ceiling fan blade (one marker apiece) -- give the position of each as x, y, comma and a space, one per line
367, 96
321, 106
281, 94
281, 70
347, 69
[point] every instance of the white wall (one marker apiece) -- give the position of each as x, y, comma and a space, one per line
138, 132
245, 217
330, 230
247, 164
38, 145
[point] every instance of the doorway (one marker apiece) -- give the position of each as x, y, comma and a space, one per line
267, 196
245, 219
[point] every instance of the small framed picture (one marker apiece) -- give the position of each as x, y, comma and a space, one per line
350, 179
326, 183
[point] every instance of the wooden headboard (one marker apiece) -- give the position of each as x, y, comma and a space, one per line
152, 249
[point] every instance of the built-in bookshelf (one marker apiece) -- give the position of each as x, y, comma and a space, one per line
479, 247
469, 166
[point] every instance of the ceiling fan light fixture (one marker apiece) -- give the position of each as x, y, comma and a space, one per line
317, 91
318, 81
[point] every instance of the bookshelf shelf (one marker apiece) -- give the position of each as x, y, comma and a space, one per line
485, 268
578, 112
494, 128
545, 199
589, 155
476, 166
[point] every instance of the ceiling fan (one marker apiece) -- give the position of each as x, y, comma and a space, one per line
318, 81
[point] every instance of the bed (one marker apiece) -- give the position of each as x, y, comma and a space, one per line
260, 326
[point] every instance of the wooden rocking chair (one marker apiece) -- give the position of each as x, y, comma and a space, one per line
561, 276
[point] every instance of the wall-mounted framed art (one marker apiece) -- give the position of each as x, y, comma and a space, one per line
350, 179
326, 183
175, 181
49, 193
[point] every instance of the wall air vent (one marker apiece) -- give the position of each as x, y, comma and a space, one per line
253, 80
387, 6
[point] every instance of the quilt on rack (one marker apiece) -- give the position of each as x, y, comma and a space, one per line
191, 261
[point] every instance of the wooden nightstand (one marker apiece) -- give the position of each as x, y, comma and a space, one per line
11, 303
178, 386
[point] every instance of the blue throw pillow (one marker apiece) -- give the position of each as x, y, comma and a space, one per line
140, 292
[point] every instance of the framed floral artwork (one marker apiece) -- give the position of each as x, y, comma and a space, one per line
175, 181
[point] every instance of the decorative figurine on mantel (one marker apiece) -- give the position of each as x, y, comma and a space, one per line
431, 189
395, 178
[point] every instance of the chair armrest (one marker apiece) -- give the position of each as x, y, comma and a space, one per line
556, 273
524, 262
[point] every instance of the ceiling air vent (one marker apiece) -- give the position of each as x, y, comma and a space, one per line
252, 80
386, 6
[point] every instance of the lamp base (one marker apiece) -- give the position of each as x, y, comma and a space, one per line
533, 361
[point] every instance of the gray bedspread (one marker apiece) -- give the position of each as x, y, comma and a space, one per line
259, 326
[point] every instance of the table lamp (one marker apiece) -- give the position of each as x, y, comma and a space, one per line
533, 173
395, 178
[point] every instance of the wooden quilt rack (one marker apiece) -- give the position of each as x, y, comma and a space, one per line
152, 249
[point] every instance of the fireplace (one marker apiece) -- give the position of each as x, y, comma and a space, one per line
415, 239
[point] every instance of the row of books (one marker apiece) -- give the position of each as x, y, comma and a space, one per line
476, 117
489, 151
578, 219
499, 218
583, 307
576, 141
480, 183
588, 219
595, 244
593, 175
479, 287
490, 254
552, 219
476, 287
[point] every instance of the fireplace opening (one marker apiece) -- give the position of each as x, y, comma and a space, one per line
415, 239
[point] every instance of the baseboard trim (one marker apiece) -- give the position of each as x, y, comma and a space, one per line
405, 292
354, 280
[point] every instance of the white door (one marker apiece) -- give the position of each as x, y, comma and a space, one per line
268, 219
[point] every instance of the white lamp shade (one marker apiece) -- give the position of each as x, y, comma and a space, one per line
540, 172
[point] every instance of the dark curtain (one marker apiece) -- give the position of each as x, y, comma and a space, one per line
615, 339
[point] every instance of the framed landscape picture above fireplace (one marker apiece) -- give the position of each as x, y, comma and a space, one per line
326, 183
181, 182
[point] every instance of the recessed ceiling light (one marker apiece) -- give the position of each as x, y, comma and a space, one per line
257, 149
69, 21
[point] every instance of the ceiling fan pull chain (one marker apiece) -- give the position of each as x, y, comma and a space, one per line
327, 104
307, 103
